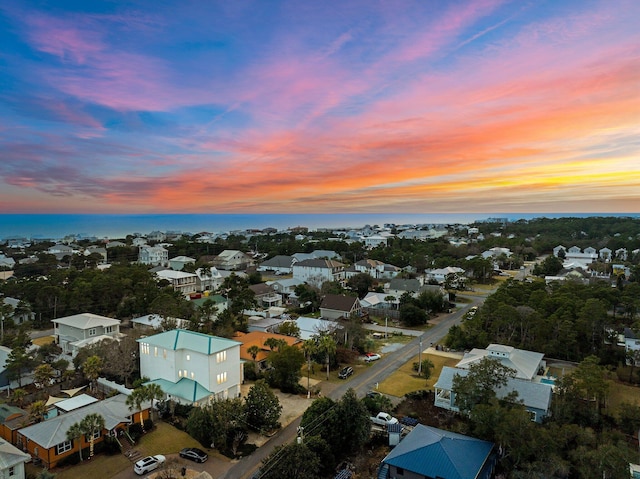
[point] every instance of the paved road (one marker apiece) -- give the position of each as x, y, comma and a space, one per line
361, 383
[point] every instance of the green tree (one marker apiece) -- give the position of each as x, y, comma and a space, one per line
480, 384
253, 351
18, 363
327, 347
351, 425
293, 461
289, 328
217, 423
286, 373
43, 375
412, 315
92, 368
153, 393
361, 284
92, 425
18, 396
135, 400
262, 407
591, 380
38, 410
74, 432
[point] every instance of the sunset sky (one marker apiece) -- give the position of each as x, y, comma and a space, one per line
350, 106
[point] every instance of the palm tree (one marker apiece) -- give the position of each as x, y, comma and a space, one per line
75, 432
18, 396
90, 425
38, 410
327, 345
253, 351
309, 347
92, 368
271, 343
154, 393
135, 400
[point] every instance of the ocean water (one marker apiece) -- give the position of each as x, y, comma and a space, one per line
55, 226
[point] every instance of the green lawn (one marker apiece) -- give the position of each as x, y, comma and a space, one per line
164, 439
406, 380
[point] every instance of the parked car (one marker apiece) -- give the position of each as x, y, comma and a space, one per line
371, 357
373, 394
148, 464
345, 372
194, 454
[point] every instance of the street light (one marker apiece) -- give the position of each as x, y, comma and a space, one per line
386, 327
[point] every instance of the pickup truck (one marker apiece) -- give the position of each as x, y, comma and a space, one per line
383, 419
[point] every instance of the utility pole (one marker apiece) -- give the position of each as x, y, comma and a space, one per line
420, 357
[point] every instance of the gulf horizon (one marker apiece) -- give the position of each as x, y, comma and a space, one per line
112, 226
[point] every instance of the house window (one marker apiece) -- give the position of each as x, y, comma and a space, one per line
188, 357
164, 353
108, 329
155, 351
144, 348
399, 471
193, 375
184, 373
92, 332
179, 373
222, 378
63, 447
96, 435
221, 357
12, 471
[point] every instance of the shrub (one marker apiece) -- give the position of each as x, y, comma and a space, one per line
148, 424
135, 431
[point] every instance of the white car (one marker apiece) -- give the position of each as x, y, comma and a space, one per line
371, 357
148, 464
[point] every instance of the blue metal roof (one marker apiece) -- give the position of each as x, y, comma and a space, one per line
434, 452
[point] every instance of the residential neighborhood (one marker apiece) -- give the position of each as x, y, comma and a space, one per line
99, 354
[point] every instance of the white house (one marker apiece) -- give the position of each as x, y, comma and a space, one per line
374, 241
12, 461
208, 279
18, 316
318, 271
374, 268
153, 255
232, 260
440, 275
75, 332
184, 283
192, 368
533, 387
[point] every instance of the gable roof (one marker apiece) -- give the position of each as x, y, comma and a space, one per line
318, 263
53, 431
258, 338
400, 284
525, 363
182, 339
433, 452
261, 288
185, 388
339, 302
86, 321
11, 455
532, 394
279, 261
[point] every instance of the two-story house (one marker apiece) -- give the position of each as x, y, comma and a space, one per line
232, 260
179, 262
153, 255
192, 368
12, 461
533, 387
75, 332
315, 272
265, 295
182, 282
